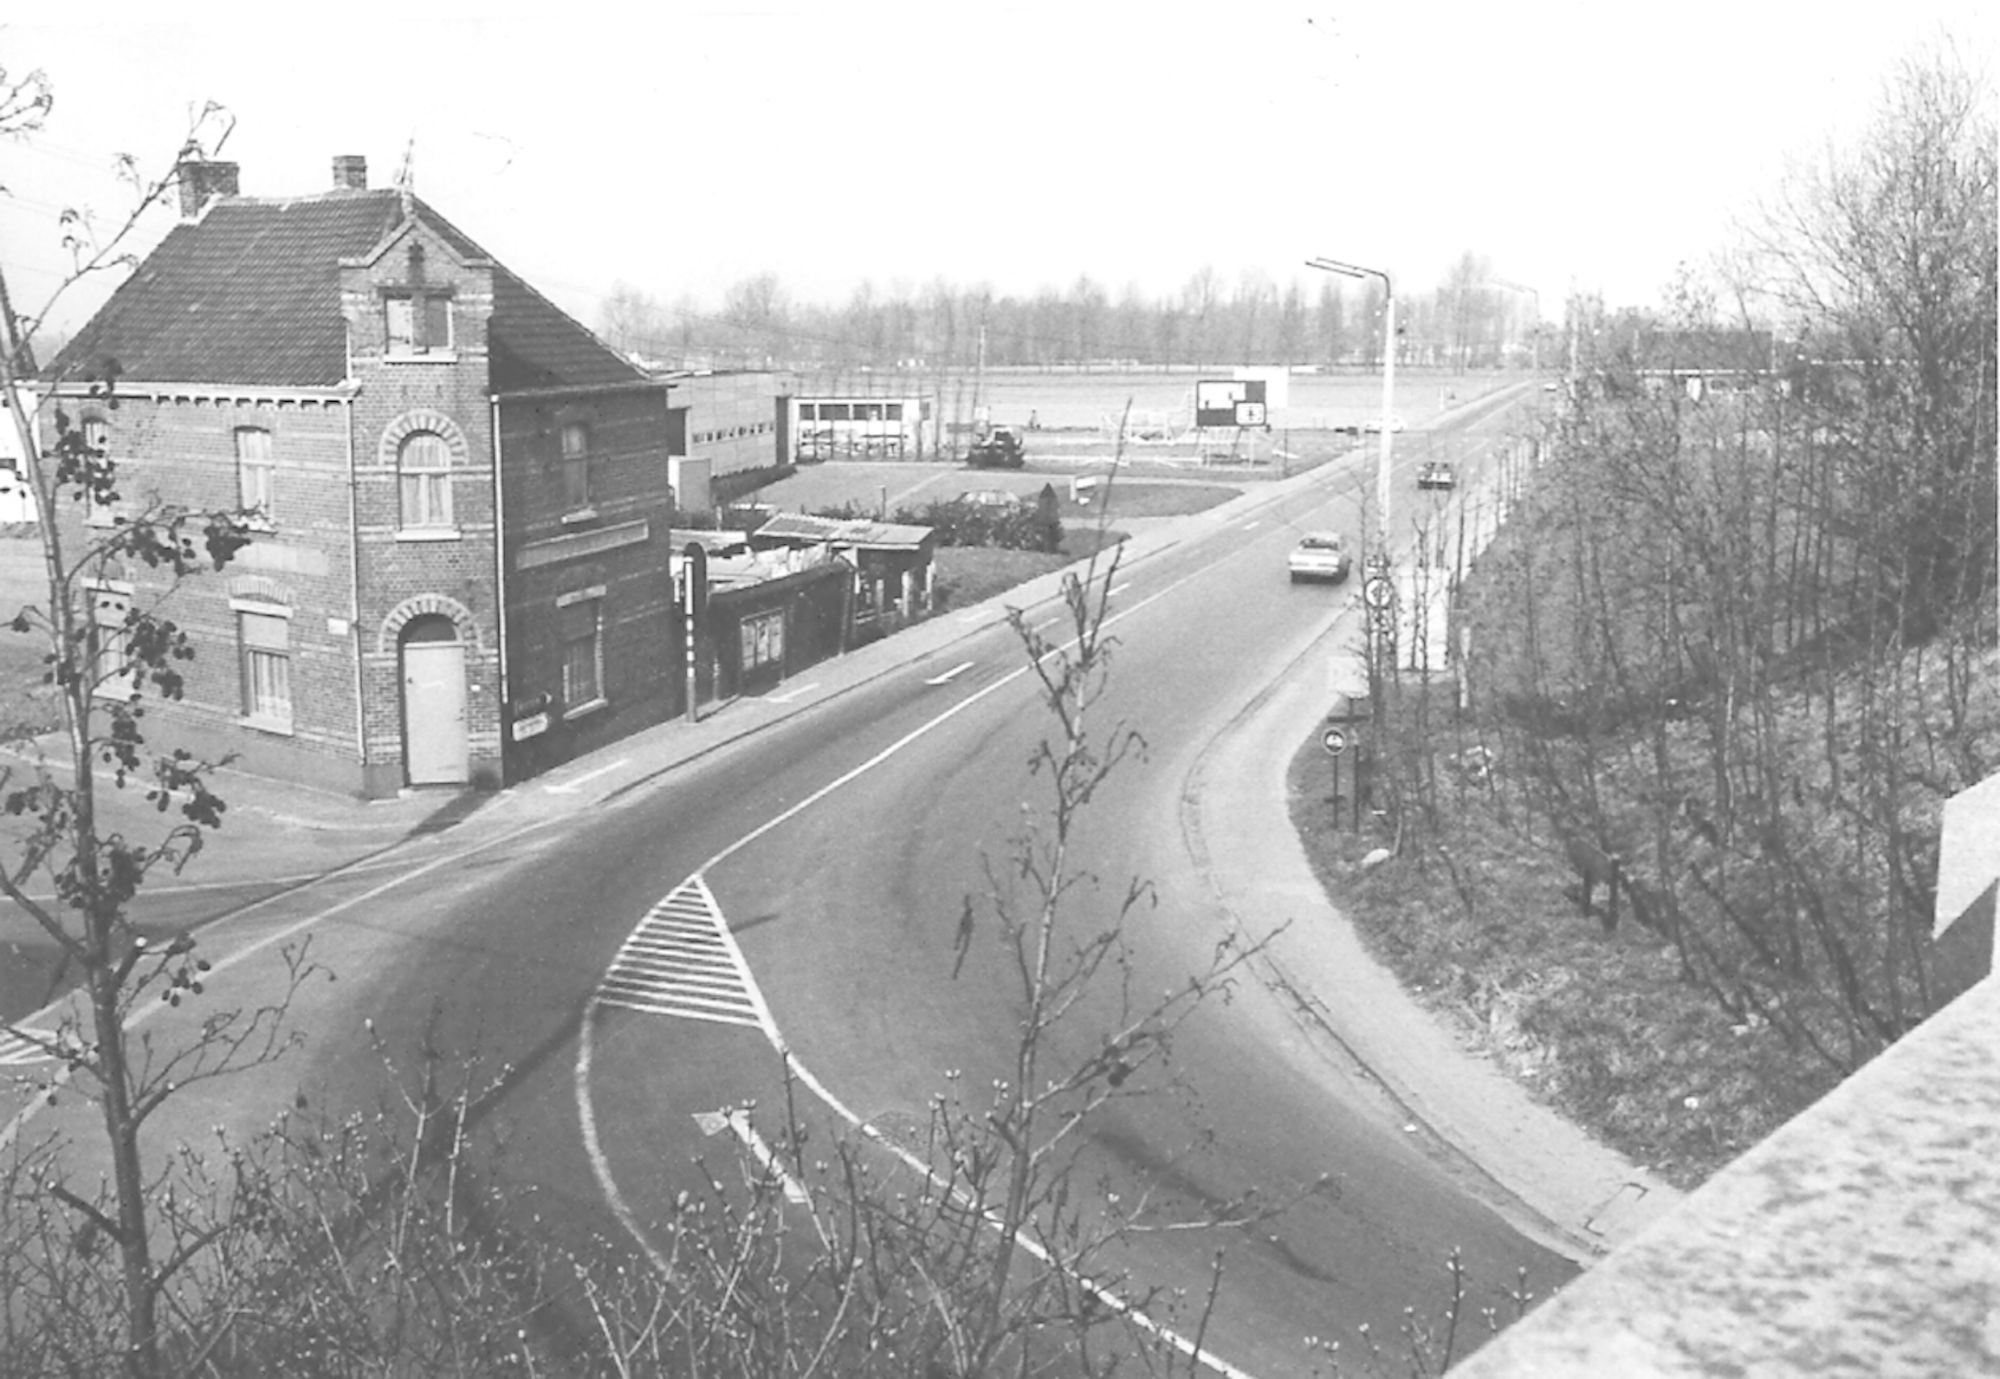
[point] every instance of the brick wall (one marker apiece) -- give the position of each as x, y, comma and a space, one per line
407, 572
612, 551
180, 446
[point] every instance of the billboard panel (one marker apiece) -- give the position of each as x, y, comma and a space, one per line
1215, 399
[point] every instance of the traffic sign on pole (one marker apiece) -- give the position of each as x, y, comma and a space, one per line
1334, 740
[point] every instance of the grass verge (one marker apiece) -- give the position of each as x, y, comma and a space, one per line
1598, 1026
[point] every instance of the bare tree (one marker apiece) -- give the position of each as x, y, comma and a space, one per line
104, 671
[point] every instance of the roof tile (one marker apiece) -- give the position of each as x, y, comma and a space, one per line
250, 294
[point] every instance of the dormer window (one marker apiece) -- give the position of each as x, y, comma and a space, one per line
417, 322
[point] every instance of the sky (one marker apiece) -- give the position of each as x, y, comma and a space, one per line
680, 147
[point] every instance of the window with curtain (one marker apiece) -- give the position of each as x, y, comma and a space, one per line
423, 472
265, 640
254, 470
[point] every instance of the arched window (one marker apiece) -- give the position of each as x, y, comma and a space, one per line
423, 473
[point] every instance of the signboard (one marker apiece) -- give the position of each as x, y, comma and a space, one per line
1379, 591
1249, 414
1216, 400
531, 716
1334, 740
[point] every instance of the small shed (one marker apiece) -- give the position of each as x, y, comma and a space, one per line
893, 561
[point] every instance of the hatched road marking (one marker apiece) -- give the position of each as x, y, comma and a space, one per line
682, 961
16, 1051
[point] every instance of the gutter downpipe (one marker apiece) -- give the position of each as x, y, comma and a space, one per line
504, 695
354, 603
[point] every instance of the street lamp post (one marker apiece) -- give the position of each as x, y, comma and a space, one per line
1350, 270
1534, 331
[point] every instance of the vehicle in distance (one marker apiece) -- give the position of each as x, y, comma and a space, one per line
999, 448
1436, 474
1373, 425
1320, 555
990, 498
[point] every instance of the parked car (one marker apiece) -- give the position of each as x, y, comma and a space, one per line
1373, 425
998, 498
1320, 555
1436, 474
999, 448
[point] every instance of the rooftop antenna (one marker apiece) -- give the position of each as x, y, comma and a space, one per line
406, 176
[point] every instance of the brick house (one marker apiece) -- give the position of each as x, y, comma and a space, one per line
461, 571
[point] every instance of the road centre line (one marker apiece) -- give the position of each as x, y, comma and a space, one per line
951, 674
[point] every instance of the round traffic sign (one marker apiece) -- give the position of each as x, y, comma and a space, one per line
1334, 740
1379, 591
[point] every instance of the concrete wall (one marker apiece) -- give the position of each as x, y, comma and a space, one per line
732, 418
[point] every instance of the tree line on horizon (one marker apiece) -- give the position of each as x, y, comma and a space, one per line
1470, 320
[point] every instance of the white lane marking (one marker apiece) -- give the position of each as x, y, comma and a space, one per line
973, 617
789, 695
737, 1122
951, 674
682, 961
570, 787
1119, 590
600, 1165
150, 1009
1253, 522
22, 1045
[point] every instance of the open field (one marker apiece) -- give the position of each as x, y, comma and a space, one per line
1094, 402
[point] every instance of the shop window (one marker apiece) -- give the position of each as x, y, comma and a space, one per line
763, 640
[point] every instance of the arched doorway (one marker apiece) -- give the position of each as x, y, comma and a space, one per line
436, 749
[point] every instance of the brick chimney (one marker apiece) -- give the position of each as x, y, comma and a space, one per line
201, 182
350, 172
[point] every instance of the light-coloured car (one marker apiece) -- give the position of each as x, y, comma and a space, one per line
1373, 425
1320, 555
998, 498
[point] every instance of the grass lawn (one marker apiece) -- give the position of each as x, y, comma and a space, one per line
972, 574
1140, 499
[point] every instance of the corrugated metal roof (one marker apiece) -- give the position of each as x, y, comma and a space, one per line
250, 294
856, 531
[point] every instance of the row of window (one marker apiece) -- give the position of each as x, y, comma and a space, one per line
423, 474
263, 644
850, 411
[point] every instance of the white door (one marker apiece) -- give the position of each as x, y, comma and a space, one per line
435, 745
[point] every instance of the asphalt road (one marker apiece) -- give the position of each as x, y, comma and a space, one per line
847, 913
839, 848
